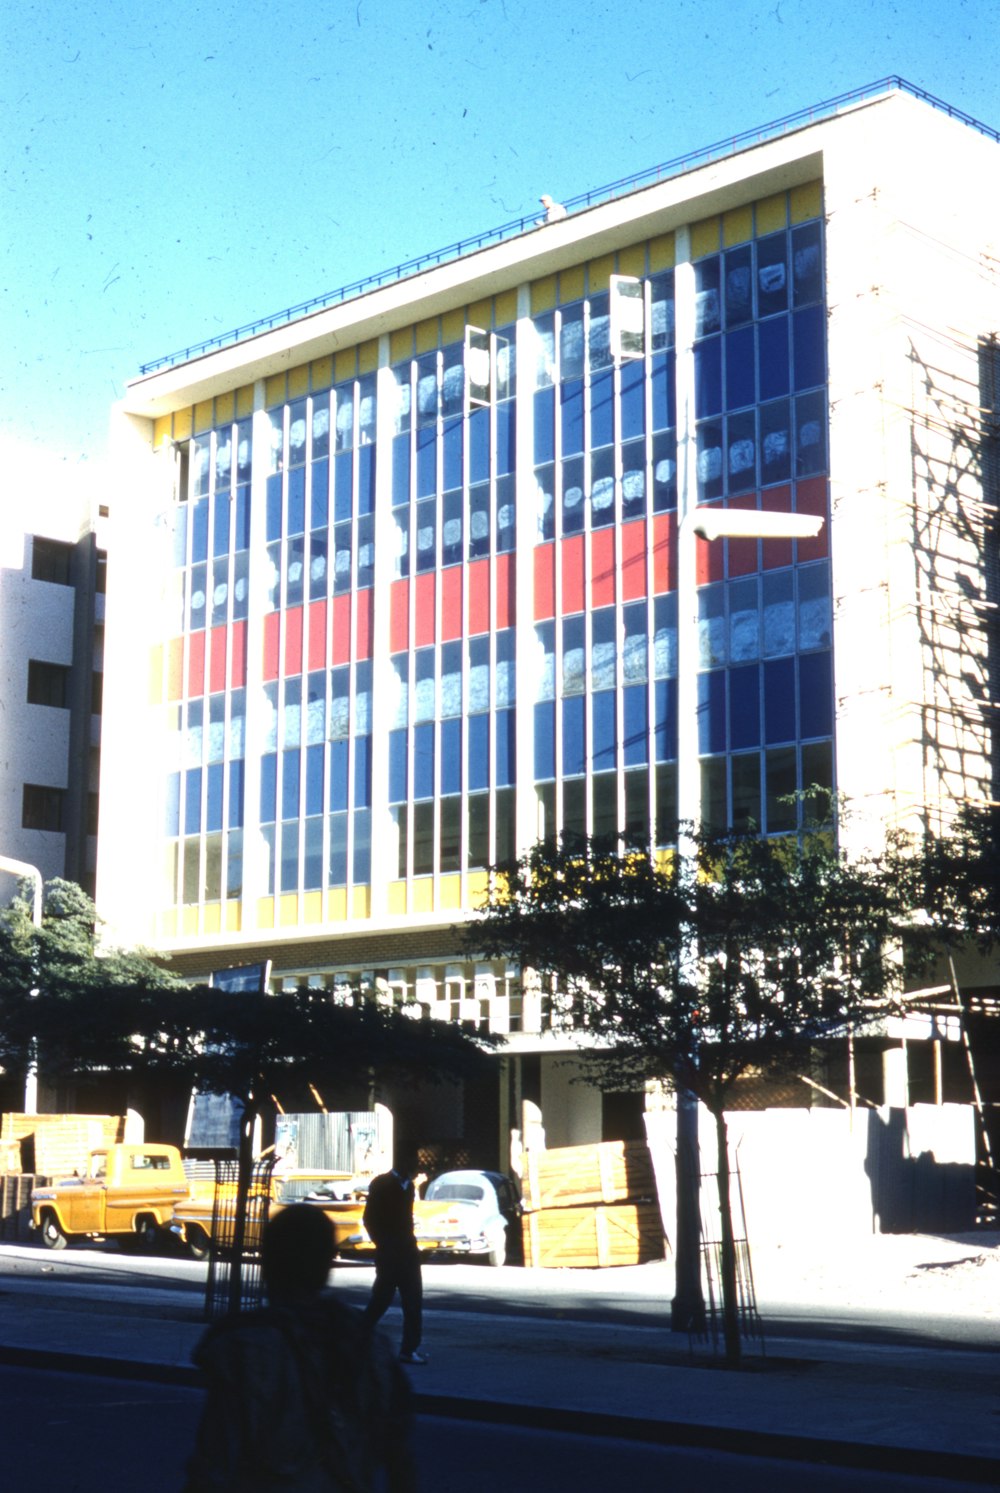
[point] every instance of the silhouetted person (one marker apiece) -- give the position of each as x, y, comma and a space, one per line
388, 1217
302, 1395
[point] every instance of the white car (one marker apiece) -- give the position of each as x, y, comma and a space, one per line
470, 1213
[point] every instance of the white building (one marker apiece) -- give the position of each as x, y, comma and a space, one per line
398, 581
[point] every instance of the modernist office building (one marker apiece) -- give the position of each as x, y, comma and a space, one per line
398, 581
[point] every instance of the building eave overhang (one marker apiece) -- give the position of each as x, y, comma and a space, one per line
753, 172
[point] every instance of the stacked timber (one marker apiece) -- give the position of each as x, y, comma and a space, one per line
58, 1145
590, 1206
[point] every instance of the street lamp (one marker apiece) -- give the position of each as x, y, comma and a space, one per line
708, 523
32, 873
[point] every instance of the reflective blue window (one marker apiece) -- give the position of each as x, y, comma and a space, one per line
479, 752
602, 423
213, 797
739, 286
337, 862
506, 453
268, 788
664, 394
505, 732
807, 263
172, 820
296, 519
779, 700
744, 707
712, 712
808, 340
633, 399
665, 726
545, 425
426, 461
290, 856
274, 506
636, 725
199, 530
810, 434
772, 358
338, 775
479, 445
740, 383
362, 772
241, 529
362, 849
815, 694
571, 414
290, 784
423, 761
314, 780
775, 442
400, 468
574, 739
772, 274
235, 795
220, 524
603, 727
192, 801
545, 741
319, 506
312, 859
452, 440
343, 485
451, 755
366, 480
708, 377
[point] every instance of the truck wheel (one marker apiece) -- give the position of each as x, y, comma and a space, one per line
51, 1232
197, 1242
147, 1232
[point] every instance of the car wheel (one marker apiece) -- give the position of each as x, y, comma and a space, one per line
51, 1232
197, 1242
148, 1235
497, 1255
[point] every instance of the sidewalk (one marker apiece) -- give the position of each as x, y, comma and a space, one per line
934, 1410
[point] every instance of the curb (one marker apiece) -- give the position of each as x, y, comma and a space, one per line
862, 1456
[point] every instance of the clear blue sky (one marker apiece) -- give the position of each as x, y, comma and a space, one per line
172, 172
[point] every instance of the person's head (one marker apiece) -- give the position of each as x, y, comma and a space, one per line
297, 1251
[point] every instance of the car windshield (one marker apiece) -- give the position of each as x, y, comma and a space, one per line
450, 1192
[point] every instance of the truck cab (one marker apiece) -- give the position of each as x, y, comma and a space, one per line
125, 1191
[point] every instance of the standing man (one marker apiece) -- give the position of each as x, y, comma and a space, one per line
388, 1218
301, 1394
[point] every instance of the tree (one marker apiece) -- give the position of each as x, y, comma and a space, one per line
77, 1011
695, 971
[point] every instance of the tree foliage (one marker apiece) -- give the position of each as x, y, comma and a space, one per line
77, 1011
742, 956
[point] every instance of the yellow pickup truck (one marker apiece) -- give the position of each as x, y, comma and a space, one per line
127, 1192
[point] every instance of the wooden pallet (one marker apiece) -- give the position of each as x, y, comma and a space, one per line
607, 1172
619, 1234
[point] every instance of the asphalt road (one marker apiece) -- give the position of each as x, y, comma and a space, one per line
86, 1434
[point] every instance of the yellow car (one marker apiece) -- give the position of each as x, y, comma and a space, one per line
194, 1218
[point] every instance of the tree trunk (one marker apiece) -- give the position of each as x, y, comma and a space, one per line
730, 1299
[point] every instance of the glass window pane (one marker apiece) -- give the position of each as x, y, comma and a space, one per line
746, 792
708, 307
545, 661
603, 648
573, 665
772, 274
506, 683
634, 653
744, 620
739, 286
815, 622
778, 614
711, 626
780, 789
